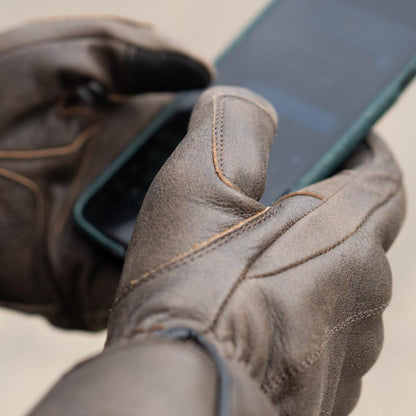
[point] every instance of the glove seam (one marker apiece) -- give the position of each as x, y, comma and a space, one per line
278, 380
76, 184
206, 246
335, 245
36, 191
250, 101
243, 277
220, 239
218, 116
59, 151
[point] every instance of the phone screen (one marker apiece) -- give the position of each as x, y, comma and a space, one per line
319, 62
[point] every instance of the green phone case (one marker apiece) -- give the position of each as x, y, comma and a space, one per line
320, 170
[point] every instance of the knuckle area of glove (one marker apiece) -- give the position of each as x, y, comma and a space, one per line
306, 308
347, 352
198, 285
331, 225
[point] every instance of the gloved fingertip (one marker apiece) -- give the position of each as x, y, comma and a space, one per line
165, 70
243, 94
241, 126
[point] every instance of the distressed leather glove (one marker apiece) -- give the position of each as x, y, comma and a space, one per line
286, 299
74, 93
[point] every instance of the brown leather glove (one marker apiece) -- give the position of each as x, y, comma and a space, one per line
289, 297
66, 111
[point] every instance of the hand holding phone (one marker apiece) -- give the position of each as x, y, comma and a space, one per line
292, 294
57, 136
331, 68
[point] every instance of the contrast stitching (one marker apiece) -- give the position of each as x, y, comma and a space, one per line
205, 247
304, 193
251, 101
52, 152
40, 217
332, 247
218, 141
76, 184
243, 275
33, 187
312, 358
215, 240
218, 117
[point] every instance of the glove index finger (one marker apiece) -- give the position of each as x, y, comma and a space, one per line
371, 169
364, 204
367, 198
41, 60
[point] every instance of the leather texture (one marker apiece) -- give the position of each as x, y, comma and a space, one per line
75, 93
290, 295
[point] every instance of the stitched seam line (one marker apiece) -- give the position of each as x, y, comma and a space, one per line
76, 184
312, 358
212, 321
218, 141
255, 103
214, 242
332, 247
204, 247
244, 277
33, 187
40, 221
208, 246
75, 145
218, 122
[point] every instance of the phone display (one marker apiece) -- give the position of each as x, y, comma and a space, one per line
329, 67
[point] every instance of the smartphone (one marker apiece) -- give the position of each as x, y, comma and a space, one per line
331, 68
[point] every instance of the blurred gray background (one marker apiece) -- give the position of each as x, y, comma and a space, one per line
34, 354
